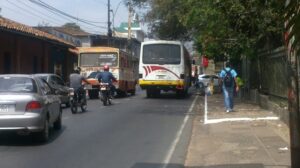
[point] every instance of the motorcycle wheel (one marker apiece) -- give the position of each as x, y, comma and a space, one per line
83, 107
105, 99
109, 98
73, 108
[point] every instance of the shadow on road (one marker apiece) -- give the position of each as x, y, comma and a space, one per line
14, 139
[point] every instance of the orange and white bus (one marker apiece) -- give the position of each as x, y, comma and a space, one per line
164, 65
122, 65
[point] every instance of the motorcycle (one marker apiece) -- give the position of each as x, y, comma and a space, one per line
105, 93
77, 99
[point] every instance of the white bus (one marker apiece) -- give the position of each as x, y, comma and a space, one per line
164, 65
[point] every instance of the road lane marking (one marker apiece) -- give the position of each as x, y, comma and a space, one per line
205, 109
215, 121
178, 135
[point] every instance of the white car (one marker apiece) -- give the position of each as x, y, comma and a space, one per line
204, 79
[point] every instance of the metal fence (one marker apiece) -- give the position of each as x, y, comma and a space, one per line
272, 70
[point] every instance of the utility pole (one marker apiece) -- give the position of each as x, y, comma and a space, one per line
129, 47
129, 19
109, 31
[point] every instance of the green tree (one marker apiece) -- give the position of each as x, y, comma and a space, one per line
233, 27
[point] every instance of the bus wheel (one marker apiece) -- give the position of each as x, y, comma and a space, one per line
132, 92
149, 93
180, 93
156, 93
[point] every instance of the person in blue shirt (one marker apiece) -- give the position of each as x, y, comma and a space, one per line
229, 85
107, 77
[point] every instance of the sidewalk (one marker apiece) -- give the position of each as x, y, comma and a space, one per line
249, 137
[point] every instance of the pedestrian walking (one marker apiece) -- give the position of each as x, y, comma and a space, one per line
229, 85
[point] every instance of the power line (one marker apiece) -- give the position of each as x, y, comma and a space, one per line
31, 14
27, 12
20, 1
45, 5
67, 18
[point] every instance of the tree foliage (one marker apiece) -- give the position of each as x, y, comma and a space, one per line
231, 28
293, 23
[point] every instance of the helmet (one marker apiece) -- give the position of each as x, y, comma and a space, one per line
77, 70
106, 68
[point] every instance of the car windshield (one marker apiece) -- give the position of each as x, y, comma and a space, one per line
43, 77
17, 84
93, 75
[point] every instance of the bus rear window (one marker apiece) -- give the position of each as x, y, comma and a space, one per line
161, 54
98, 59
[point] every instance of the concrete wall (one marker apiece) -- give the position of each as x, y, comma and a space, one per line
280, 109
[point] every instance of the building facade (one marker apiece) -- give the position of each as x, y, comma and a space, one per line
26, 50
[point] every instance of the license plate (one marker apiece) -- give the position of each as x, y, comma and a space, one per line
88, 87
161, 76
4, 108
103, 88
71, 93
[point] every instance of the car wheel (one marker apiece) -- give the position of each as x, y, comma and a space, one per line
43, 136
68, 104
58, 123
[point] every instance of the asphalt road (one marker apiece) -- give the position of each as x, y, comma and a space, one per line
134, 132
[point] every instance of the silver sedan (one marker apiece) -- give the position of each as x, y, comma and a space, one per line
28, 105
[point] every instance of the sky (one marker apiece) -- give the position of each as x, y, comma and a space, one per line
93, 13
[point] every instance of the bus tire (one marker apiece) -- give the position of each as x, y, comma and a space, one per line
132, 92
148, 93
180, 93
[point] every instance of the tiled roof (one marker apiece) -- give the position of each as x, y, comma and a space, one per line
9, 25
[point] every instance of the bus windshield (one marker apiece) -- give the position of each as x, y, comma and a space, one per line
98, 59
161, 54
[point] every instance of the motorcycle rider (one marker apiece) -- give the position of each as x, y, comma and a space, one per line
107, 77
76, 82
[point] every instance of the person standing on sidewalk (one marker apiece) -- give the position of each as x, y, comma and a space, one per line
229, 85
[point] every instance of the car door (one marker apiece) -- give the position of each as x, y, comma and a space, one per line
51, 101
205, 79
61, 85
216, 80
